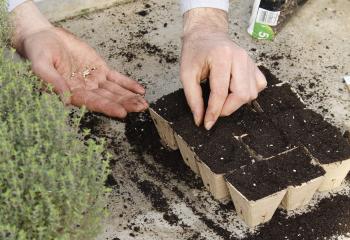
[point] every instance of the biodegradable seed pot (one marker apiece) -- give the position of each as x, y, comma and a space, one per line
164, 129
189, 157
254, 213
274, 153
257, 190
213, 152
335, 175
298, 196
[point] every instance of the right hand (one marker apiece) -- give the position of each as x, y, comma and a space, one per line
74, 68
209, 53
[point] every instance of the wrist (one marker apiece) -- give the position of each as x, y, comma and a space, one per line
205, 20
26, 20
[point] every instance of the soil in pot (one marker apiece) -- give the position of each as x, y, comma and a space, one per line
298, 122
278, 99
267, 177
263, 137
324, 141
270, 78
174, 106
198, 136
327, 146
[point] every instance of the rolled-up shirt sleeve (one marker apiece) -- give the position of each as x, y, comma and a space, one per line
12, 4
190, 4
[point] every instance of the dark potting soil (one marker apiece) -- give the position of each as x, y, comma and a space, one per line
159, 202
346, 135
223, 154
217, 148
324, 141
295, 167
264, 138
278, 99
331, 217
327, 146
267, 177
299, 122
174, 105
143, 137
270, 78
198, 136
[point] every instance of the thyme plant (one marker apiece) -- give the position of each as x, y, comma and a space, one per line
51, 181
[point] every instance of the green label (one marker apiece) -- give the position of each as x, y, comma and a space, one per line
263, 31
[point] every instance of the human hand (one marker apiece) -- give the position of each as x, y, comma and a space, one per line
208, 52
71, 66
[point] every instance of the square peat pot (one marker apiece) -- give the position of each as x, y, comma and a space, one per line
254, 213
164, 129
215, 183
189, 156
299, 196
335, 174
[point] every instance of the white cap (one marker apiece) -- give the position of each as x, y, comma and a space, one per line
14, 3
190, 4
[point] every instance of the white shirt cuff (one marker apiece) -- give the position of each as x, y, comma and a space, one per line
190, 4
14, 3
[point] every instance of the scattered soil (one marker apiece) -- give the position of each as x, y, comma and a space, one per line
152, 49
278, 99
267, 177
144, 139
156, 197
329, 218
142, 13
213, 225
110, 181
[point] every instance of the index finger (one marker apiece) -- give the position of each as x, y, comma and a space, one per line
219, 85
191, 82
125, 82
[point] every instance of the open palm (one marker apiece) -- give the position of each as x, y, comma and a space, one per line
71, 66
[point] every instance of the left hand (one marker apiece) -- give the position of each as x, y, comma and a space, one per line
72, 67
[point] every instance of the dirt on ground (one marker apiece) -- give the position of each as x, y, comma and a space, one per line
155, 195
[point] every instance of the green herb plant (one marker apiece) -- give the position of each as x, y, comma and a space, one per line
51, 180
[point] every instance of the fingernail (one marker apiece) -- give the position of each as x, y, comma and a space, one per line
197, 120
208, 125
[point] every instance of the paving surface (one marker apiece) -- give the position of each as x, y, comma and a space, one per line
154, 195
